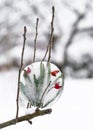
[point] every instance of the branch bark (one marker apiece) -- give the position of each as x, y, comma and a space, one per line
49, 46
35, 40
19, 74
51, 34
25, 117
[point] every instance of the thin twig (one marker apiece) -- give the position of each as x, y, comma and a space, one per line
28, 105
35, 40
25, 117
51, 35
46, 52
49, 46
45, 91
30, 122
19, 74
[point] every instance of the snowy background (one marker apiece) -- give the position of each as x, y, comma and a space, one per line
72, 51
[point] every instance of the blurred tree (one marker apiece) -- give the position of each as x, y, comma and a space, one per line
73, 31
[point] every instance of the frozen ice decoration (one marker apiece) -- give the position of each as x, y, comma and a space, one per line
41, 83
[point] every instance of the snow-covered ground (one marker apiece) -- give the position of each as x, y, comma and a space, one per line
73, 111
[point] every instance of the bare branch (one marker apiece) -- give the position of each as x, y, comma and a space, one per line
45, 53
26, 117
75, 30
72, 35
30, 122
85, 30
45, 91
51, 34
19, 74
35, 40
71, 8
76, 11
49, 46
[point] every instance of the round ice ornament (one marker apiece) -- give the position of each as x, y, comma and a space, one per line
41, 83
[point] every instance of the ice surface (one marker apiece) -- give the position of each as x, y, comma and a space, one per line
38, 82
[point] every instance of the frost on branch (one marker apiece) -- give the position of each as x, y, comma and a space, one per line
41, 83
